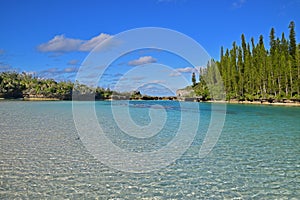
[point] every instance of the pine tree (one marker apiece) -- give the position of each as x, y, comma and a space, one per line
292, 43
298, 70
252, 72
284, 63
194, 79
240, 71
262, 67
226, 73
272, 41
254, 69
273, 63
233, 71
292, 51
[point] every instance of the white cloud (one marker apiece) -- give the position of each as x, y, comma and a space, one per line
92, 43
186, 70
60, 43
179, 71
142, 60
174, 74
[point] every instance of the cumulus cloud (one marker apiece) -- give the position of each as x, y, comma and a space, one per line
142, 60
186, 70
62, 44
179, 71
92, 43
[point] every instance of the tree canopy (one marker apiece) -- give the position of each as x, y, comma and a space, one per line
22, 85
253, 72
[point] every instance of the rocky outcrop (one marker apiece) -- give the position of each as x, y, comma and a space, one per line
186, 92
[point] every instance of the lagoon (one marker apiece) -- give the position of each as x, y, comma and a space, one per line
256, 156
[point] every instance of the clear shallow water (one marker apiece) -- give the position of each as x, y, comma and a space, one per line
257, 155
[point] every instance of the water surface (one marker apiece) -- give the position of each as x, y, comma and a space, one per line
257, 155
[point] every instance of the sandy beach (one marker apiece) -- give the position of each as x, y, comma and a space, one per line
258, 103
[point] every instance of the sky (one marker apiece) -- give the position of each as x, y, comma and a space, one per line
55, 38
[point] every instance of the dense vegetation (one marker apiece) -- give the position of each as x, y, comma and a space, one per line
22, 85
253, 72
15, 85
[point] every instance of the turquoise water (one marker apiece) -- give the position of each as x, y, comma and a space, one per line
257, 155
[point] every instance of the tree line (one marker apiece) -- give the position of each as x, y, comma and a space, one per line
250, 71
22, 85
15, 85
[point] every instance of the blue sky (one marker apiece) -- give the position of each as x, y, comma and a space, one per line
52, 38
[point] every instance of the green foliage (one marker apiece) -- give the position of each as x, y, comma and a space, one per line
292, 37
211, 83
136, 95
19, 85
256, 73
11, 85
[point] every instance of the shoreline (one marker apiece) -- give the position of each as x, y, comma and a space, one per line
295, 104
40, 99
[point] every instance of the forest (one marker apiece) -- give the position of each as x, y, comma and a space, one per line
252, 72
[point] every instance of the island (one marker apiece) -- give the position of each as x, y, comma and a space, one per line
246, 73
